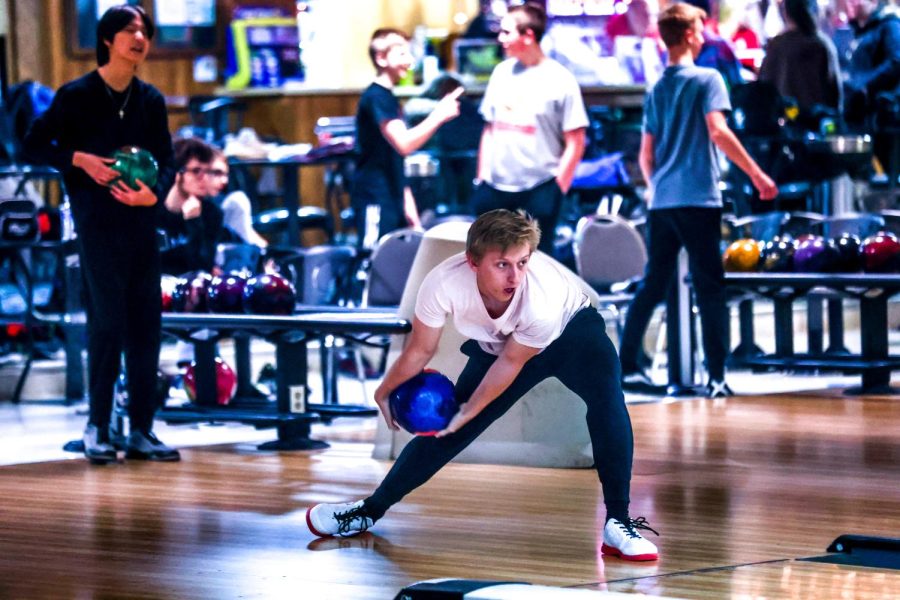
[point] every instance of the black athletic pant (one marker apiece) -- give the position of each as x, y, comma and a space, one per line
121, 272
542, 202
698, 230
584, 360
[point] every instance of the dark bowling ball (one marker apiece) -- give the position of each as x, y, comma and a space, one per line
134, 163
191, 293
777, 256
424, 404
226, 294
881, 253
226, 382
849, 253
815, 255
269, 294
741, 256
167, 285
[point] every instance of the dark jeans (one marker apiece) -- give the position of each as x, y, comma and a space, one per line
121, 272
542, 202
698, 230
592, 372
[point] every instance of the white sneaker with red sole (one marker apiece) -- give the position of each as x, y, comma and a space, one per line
622, 540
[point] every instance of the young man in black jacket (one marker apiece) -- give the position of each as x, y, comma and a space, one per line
88, 120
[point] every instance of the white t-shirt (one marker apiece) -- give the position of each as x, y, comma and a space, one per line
529, 109
540, 309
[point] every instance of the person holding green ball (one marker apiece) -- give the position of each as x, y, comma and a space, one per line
89, 119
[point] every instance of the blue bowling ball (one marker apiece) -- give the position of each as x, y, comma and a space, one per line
425, 403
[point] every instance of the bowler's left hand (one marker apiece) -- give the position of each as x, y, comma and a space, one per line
455, 424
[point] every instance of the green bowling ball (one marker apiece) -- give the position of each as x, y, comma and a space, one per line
135, 163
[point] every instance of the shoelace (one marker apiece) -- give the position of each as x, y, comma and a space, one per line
631, 525
345, 519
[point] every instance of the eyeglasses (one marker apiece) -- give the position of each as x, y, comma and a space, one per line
200, 171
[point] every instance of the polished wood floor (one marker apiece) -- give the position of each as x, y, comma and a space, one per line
739, 489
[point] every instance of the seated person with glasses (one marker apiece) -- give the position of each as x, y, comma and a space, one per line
238, 212
193, 224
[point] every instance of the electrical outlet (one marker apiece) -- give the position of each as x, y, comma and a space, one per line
298, 398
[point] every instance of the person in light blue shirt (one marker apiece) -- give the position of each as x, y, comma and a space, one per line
683, 125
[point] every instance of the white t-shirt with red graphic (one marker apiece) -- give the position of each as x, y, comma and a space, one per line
529, 109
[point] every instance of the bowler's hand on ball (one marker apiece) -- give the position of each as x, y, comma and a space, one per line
97, 167
143, 196
381, 399
455, 424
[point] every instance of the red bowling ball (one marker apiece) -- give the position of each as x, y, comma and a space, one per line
269, 294
191, 293
226, 382
167, 285
881, 253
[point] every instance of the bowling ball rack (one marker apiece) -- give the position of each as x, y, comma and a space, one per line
290, 413
874, 362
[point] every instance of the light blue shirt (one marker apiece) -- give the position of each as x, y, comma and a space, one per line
686, 170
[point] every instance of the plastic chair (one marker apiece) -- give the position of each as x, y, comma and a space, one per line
610, 255
389, 267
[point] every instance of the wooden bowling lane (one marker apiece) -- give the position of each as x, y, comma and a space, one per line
738, 489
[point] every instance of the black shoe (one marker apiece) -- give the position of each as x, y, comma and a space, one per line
97, 448
146, 446
718, 389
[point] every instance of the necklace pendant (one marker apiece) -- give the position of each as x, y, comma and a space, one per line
121, 113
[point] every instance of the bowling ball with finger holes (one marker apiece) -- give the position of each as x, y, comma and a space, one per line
226, 382
741, 256
425, 403
226, 294
269, 294
133, 163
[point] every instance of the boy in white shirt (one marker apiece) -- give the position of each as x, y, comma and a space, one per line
525, 315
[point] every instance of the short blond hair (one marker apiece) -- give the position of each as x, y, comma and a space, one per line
502, 229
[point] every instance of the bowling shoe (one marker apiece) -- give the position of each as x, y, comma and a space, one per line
338, 519
142, 445
718, 389
97, 448
622, 540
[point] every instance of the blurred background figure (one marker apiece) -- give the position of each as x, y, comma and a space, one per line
874, 67
801, 61
717, 52
236, 208
639, 20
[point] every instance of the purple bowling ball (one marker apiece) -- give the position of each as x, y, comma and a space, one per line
269, 294
815, 255
226, 294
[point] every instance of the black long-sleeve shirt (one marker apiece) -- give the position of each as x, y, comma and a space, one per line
84, 116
